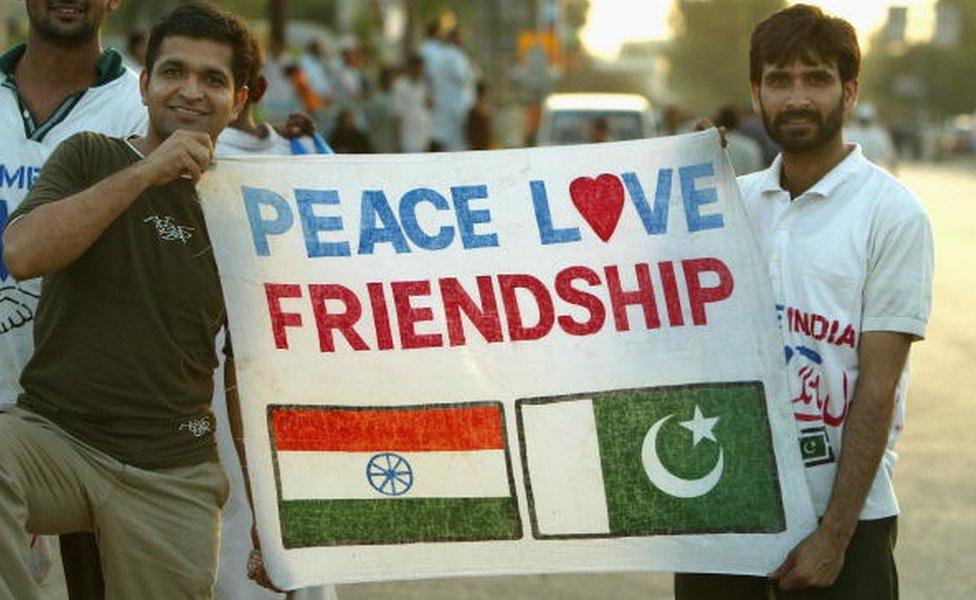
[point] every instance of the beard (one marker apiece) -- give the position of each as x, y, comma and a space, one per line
67, 35
798, 141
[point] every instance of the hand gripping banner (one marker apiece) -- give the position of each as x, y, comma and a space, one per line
543, 360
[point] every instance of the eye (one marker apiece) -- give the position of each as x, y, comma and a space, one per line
216, 80
169, 71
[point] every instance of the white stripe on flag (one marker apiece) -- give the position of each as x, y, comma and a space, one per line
316, 475
563, 456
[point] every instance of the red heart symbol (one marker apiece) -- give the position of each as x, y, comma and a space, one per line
600, 201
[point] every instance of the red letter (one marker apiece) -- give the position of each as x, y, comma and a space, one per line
407, 315
671, 297
699, 296
343, 322
566, 291
381, 316
485, 317
517, 331
644, 296
279, 319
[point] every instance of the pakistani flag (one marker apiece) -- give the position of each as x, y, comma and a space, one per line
655, 461
392, 475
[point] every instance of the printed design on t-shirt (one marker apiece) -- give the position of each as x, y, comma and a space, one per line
816, 327
17, 304
168, 230
812, 403
197, 427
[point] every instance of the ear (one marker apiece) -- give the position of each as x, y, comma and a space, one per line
851, 90
256, 91
144, 85
756, 103
240, 99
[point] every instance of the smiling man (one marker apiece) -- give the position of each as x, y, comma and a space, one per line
113, 432
847, 246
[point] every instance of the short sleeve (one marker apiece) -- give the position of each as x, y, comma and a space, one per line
64, 174
898, 290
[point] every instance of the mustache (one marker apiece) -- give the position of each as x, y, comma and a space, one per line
788, 115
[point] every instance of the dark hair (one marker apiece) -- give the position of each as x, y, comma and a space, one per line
205, 22
804, 32
727, 117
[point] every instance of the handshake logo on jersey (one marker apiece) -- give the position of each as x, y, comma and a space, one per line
17, 305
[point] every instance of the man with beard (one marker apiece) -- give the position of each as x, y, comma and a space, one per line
59, 83
845, 242
113, 432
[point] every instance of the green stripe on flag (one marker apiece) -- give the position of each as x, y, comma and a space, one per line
729, 418
307, 523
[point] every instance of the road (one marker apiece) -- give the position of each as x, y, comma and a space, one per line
936, 474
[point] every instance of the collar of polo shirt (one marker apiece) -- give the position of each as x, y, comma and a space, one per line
827, 184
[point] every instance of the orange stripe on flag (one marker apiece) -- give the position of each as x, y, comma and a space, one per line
417, 430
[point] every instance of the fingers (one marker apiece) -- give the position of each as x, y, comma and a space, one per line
257, 573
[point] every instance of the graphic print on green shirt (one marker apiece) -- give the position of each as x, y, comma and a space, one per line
124, 335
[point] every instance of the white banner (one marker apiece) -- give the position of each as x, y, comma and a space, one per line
543, 360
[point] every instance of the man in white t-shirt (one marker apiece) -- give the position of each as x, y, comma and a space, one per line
849, 253
246, 136
411, 104
59, 83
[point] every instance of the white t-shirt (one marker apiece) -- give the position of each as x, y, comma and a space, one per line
234, 142
113, 107
851, 254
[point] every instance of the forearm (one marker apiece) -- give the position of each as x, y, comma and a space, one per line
865, 438
881, 357
53, 235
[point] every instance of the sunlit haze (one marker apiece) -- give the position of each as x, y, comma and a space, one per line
613, 22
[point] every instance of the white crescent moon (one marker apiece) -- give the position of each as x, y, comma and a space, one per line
668, 482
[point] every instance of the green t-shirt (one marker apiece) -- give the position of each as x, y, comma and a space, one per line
124, 335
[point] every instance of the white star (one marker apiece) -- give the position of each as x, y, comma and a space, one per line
700, 427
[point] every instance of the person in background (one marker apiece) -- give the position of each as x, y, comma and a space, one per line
743, 151
411, 103
59, 83
600, 130
246, 136
479, 127
135, 46
453, 79
875, 141
380, 113
751, 124
347, 138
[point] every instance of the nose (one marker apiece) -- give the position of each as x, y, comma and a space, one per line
797, 97
191, 88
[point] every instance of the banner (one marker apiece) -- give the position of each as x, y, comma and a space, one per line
544, 360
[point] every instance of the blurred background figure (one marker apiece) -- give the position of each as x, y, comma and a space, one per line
411, 102
313, 63
135, 50
874, 139
347, 137
453, 79
380, 113
479, 128
600, 130
745, 154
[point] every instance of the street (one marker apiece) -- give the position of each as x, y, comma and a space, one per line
934, 478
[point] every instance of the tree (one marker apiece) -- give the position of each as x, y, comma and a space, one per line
710, 52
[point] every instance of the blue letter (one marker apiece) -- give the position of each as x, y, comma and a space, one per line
313, 224
656, 221
375, 205
543, 217
694, 198
254, 198
468, 218
408, 217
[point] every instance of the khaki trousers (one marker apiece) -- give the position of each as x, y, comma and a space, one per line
158, 531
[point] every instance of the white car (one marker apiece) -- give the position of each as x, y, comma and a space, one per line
585, 118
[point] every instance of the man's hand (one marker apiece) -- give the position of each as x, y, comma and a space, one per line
815, 562
298, 125
705, 123
255, 565
183, 154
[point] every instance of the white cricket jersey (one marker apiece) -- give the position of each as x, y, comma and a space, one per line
112, 106
852, 254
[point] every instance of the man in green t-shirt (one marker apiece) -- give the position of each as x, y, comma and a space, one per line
113, 432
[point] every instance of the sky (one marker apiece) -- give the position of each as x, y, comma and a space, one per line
612, 22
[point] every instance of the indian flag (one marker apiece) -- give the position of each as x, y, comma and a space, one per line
393, 475
653, 461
